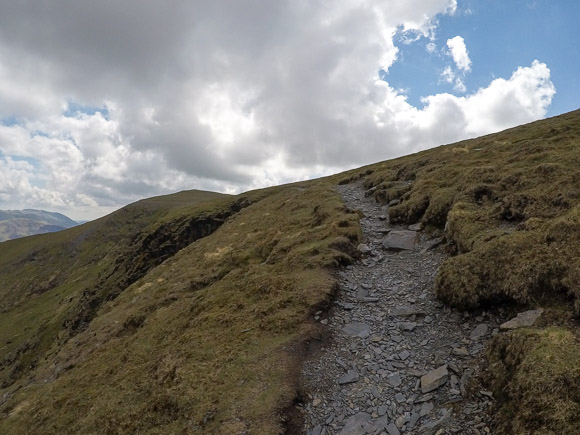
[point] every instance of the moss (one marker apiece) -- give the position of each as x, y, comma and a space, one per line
535, 376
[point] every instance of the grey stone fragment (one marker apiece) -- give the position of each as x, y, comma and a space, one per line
479, 331
522, 320
434, 379
464, 380
380, 424
432, 244
350, 377
363, 248
431, 427
357, 424
400, 240
404, 355
315, 431
400, 398
394, 380
413, 420
426, 409
392, 429
397, 338
460, 351
357, 329
382, 410
407, 326
406, 311
415, 227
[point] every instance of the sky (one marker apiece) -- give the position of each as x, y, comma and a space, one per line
106, 102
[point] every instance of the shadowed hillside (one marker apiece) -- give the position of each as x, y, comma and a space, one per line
188, 313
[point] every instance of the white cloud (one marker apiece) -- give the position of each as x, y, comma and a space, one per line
221, 96
459, 86
459, 53
431, 47
448, 75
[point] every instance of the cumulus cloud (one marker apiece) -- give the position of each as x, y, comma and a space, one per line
102, 103
459, 53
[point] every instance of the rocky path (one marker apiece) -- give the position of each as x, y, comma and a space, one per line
398, 361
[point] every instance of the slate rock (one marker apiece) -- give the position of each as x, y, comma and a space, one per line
357, 329
380, 424
357, 424
350, 377
479, 331
406, 311
522, 320
400, 240
460, 351
404, 355
317, 430
364, 248
415, 227
434, 379
394, 380
407, 326
431, 427
432, 244
426, 408
392, 429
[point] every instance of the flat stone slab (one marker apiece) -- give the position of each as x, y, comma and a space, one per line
406, 311
434, 379
400, 240
478, 332
350, 377
357, 329
394, 380
522, 320
357, 424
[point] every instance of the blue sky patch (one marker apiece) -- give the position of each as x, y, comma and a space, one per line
75, 109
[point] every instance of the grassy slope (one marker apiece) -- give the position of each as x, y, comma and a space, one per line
207, 341
48, 280
508, 205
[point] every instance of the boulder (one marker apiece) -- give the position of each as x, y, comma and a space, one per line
434, 379
522, 320
400, 240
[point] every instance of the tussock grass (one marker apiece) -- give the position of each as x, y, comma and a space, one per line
508, 205
187, 313
208, 341
535, 374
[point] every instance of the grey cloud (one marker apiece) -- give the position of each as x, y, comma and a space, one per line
292, 83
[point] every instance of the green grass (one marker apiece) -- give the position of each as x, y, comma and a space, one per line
188, 313
535, 374
207, 340
508, 204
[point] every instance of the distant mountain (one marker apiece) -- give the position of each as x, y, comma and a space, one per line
21, 223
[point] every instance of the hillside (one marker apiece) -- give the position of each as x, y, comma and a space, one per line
191, 312
21, 223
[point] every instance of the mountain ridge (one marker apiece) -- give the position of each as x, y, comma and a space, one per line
192, 312
28, 222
